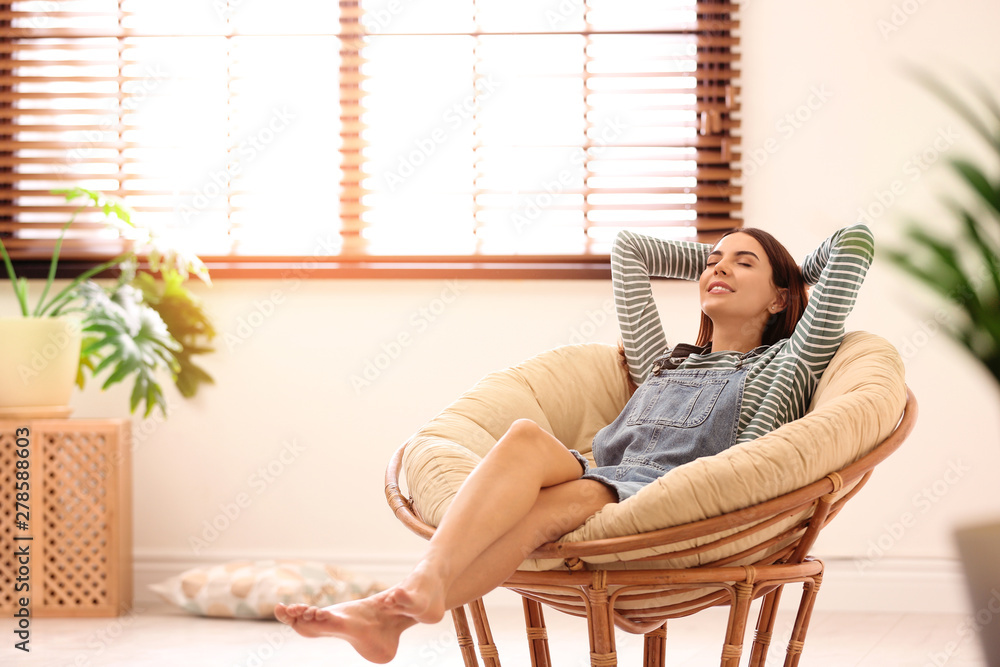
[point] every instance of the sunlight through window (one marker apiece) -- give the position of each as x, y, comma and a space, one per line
384, 127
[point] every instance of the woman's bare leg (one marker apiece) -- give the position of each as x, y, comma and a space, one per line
493, 500
557, 511
373, 625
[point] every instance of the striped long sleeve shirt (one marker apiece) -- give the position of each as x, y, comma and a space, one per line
781, 380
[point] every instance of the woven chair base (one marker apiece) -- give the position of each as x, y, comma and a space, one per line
598, 591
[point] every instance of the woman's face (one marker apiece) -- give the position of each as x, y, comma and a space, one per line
736, 285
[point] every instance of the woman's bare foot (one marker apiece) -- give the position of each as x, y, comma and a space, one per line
366, 624
419, 596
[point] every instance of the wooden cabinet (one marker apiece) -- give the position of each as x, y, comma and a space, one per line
70, 553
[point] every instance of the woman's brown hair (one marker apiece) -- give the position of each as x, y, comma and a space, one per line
785, 274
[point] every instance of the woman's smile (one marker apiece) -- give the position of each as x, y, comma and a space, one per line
719, 287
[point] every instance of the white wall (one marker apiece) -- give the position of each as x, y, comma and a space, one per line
290, 380
868, 142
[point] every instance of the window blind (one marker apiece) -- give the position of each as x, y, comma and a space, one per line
452, 128
217, 122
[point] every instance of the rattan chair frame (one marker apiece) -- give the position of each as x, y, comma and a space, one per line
600, 590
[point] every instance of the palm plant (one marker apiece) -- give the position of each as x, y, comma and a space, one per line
949, 269
946, 266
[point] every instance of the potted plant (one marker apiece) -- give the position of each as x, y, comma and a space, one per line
966, 271
136, 328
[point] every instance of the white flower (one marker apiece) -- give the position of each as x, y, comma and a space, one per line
165, 256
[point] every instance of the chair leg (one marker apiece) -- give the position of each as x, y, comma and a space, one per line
465, 643
538, 638
655, 647
765, 628
798, 638
487, 649
738, 612
600, 621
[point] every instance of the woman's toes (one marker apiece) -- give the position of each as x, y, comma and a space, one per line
290, 612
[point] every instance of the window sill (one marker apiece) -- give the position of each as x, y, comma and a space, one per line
577, 267
298, 268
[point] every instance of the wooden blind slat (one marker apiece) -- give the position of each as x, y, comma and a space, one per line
351, 88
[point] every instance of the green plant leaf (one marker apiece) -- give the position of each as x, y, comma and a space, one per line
187, 322
22, 299
939, 267
929, 277
993, 364
946, 275
21, 290
964, 292
86, 364
54, 262
136, 338
71, 291
138, 392
109, 361
190, 376
154, 397
986, 97
124, 367
989, 255
945, 253
109, 205
99, 326
972, 334
978, 182
977, 293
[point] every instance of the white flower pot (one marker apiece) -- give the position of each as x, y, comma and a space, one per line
39, 357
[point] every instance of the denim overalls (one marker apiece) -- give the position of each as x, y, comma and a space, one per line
674, 417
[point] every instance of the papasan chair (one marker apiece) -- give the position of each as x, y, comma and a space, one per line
720, 530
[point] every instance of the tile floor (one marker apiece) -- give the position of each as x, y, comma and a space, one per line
159, 635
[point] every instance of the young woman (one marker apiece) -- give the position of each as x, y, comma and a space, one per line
759, 355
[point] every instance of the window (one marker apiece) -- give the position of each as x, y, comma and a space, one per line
389, 133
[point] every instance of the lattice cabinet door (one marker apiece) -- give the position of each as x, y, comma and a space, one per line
80, 521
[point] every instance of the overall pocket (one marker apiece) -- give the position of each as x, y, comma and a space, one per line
681, 401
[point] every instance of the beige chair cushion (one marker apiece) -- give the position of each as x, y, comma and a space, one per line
574, 391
